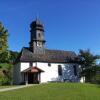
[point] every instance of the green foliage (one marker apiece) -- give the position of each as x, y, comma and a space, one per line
3, 38
5, 65
13, 55
54, 91
5, 73
4, 53
96, 78
4, 81
4, 57
88, 64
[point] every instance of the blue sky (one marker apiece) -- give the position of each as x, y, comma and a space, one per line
69, 24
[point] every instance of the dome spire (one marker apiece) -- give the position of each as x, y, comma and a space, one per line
38, 20
37, 16
37, 25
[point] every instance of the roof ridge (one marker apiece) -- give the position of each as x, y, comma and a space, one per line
59, 50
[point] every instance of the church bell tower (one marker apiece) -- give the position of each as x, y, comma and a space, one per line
37, 40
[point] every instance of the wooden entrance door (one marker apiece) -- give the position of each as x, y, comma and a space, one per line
33, 78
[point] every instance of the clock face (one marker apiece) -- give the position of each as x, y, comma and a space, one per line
39, 44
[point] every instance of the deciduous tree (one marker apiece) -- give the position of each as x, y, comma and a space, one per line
88, 64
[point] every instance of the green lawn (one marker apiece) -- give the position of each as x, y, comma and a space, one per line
54, 91
2, 87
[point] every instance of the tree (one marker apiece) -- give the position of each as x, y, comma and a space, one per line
3, 38
7, 57
13, 55
5, 65
4, 53
5, 73
88, 64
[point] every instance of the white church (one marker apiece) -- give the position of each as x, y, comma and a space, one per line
37, 64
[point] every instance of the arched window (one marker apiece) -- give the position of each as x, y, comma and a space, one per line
59, 70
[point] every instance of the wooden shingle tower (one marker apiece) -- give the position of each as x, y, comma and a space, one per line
37, 40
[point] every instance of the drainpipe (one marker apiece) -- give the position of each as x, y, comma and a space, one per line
36, 64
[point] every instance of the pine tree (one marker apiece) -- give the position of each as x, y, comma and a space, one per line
4, 54
5, 65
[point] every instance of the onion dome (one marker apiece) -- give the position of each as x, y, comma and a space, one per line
37, 25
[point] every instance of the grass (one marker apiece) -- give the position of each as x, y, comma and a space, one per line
54, 91
2, 87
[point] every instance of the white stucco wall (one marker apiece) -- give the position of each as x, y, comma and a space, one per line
17, 69
24, 65
50, 72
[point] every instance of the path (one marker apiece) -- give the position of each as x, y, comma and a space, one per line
14, 88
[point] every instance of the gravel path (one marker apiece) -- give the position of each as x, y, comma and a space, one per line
14, 88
